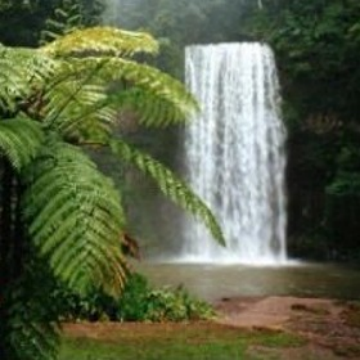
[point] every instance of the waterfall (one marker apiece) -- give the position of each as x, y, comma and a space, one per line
234, 154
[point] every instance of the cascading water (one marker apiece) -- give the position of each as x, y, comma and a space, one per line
234, 154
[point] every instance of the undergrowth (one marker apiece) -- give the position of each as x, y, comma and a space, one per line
138, 302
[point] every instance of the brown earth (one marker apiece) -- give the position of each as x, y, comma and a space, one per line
331, 327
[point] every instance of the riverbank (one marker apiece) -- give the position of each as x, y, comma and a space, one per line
265, 328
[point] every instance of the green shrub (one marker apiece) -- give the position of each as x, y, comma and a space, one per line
176, 305
133, 305
138, 302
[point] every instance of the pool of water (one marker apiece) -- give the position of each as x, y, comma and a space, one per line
211, 282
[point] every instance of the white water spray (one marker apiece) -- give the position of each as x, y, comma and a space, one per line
234, 154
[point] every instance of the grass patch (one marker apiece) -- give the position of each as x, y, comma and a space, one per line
277, 339
173, 342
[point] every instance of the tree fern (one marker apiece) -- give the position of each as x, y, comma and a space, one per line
169, 184
53, 100
79, 230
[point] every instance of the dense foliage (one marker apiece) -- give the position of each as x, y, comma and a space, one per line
317, 45
179, 22
23, 21
62, 218
138, 302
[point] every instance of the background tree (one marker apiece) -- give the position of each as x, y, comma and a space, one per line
22, 21
180, 23
316, 44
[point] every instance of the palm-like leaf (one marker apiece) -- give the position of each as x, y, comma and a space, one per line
23, 72
102, 41
79, 229
20, 140
169, 184
156, 98
76, 103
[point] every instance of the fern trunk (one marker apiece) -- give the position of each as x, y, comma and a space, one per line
11, 247
6, 222
5, 250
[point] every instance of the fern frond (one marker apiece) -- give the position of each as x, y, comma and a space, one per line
171, 186
20, 140
101, 41
157, 98
13, 85
65, 19
23, 72
79, 94
76, 104
75, 218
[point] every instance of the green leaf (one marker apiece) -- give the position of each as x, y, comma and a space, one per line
156, 98
23, 71
169, 184
102, 41
20, 140
75, 218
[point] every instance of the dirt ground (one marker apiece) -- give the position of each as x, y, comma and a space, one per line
331, 327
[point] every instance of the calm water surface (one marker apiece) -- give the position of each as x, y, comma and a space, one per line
213, 282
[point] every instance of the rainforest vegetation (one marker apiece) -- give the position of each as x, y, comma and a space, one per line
62, 221
51, 128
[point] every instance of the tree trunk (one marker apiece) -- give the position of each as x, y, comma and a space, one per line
5, 248
11, 245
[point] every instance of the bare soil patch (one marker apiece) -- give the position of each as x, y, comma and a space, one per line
330, 326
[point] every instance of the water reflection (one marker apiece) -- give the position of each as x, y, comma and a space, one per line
212, 282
